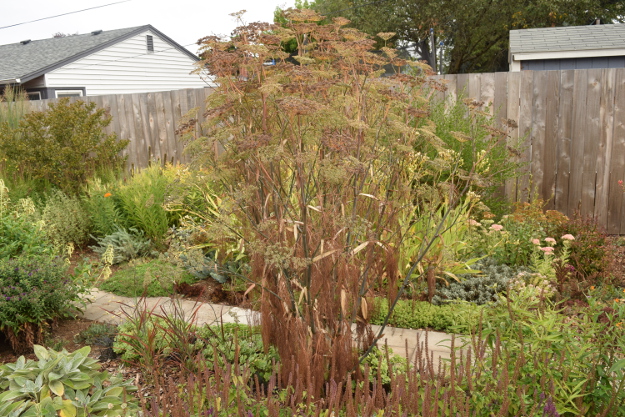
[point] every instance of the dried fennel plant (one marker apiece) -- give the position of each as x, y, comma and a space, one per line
316, 161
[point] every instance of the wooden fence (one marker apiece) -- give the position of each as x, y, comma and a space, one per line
573, 126
148, 120
572, 122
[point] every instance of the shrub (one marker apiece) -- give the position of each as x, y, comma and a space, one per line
141, 201
127, 244
590, 250
63, 146
33, 290
467, 119
65, 219
149, 278
100, 203
65, 384
570, 362
526, 223
101, 334
411, 314
480, 288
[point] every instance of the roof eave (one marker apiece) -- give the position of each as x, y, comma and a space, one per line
11, 81
586, 53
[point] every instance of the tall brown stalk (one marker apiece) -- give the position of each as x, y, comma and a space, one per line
319, 160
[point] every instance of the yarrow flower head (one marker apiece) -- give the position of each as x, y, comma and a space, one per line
497, 227
548, 250
568, 236
550, 240
536, 242
474, 223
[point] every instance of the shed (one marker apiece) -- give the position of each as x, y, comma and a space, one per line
132, 60
568, 47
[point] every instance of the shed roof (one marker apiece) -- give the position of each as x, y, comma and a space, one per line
24, 61
567, 38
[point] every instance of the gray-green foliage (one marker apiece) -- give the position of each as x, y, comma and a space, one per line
481, 288
192, 258
66, 221
127, 244
62, 383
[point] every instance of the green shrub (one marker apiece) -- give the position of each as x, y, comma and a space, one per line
410, 314
141, 201
63, 146
480, 288
573, 362
127, 244
97, 334
105, 215
65, 219
590, 250
153, 278
33, 290
65, 384
465, 119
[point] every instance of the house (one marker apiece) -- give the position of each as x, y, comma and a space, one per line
568, 47
133, 60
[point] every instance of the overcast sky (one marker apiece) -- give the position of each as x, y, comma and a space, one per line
185, 21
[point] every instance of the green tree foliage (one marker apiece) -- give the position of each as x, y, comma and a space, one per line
475, 33
63, 146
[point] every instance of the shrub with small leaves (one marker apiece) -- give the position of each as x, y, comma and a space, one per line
411, 314
481, 288
32, 291
127, 244
63, 146
65, 219
63, 384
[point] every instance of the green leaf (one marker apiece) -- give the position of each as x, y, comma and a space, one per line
57, 387
617, 366
68, 409
41, 352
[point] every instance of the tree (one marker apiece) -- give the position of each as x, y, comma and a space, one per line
475, 33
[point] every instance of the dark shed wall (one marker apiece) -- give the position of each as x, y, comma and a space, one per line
575, 63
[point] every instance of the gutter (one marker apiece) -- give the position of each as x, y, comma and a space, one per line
11, 81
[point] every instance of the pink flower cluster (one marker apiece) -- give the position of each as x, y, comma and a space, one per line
497, 227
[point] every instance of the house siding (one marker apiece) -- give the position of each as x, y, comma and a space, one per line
575, 63
127, 67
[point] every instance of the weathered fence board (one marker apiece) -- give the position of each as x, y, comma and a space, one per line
571, 123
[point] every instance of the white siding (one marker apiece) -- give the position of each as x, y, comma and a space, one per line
127, 67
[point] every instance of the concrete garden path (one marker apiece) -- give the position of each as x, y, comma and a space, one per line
110, 308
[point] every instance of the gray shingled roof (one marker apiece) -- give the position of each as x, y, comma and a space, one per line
567, 38
25, 62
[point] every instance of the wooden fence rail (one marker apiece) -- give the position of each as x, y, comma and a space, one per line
572, 123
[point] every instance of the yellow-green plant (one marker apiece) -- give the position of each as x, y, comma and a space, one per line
13, 106
63, 146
